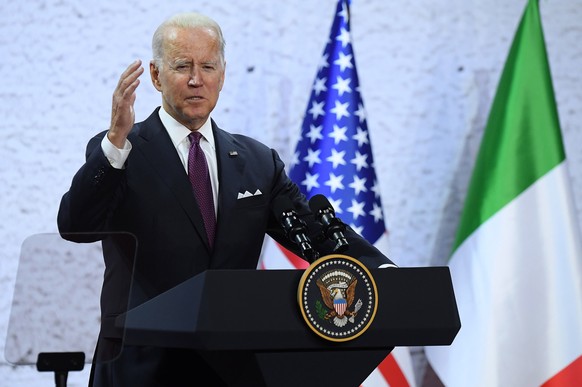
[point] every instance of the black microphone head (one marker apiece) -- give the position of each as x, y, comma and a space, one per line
294, 227
319, 202
282, 205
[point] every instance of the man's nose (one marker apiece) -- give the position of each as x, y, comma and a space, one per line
195, 77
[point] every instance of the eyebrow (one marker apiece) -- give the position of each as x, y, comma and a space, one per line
189, 61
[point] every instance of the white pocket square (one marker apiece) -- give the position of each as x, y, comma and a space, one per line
247, 194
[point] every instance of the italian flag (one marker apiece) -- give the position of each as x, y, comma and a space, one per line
517, 260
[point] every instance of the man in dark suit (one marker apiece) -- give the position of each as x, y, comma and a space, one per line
136, 180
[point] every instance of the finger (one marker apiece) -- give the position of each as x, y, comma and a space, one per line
129, 92
129, 77
131, 69
125, 92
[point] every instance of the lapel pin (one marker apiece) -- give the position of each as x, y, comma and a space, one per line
232, 153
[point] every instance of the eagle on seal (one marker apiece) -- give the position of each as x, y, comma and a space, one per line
339, 298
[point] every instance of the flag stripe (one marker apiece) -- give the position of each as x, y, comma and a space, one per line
276, 256
392, 373
569, 376
509, 161
297, 262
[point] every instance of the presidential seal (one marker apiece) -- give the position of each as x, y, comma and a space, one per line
338, 297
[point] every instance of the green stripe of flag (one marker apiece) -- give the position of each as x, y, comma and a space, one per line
522, 139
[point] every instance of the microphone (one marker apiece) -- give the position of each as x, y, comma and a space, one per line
295, 228
333, 228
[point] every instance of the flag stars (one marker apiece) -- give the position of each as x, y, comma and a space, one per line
344, 13
336, 158
360, 161
377, 213
343, 86
344, 61
312, 157
323, 62
335, 182
336, 204
310, 181
319, 85
344, 37
361, 136
357, 209
359, 185
340, 110
335, 129
314, 133
316, 109
338, 134
294, 160
358, 229
361, 113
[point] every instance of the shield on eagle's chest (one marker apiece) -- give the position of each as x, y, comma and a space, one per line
340, 306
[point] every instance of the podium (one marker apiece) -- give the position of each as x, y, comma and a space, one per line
247, 324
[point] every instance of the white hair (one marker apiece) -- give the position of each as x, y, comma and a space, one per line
184, 20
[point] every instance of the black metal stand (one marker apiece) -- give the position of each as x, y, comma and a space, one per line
60, 363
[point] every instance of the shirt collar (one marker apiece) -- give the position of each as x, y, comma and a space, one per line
179, 132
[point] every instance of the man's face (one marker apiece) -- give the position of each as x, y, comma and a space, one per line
191, 76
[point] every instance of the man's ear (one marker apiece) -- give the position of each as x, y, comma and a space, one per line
155, 75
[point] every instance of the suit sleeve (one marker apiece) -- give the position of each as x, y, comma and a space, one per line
94, 192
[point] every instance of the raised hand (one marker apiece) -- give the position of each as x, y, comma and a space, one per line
122, 113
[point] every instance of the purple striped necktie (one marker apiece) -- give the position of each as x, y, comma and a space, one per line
200, 180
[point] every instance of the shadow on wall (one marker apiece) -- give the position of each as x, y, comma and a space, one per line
477, 91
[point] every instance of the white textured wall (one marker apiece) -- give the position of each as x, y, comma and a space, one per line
428, 71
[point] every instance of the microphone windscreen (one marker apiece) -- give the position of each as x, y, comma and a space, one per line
282, 204
319, 202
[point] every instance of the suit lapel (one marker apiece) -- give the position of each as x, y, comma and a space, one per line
154, 143
231, 163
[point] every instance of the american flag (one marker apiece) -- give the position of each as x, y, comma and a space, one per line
334, 158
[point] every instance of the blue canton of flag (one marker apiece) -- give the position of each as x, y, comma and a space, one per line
334, 155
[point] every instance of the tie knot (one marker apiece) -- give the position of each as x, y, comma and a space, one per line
195, 137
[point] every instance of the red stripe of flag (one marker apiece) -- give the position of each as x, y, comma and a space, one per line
294, 259
568, 377
392, 372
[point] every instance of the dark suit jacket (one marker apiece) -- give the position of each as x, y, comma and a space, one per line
152, 199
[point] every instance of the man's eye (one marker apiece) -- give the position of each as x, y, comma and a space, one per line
181, 67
